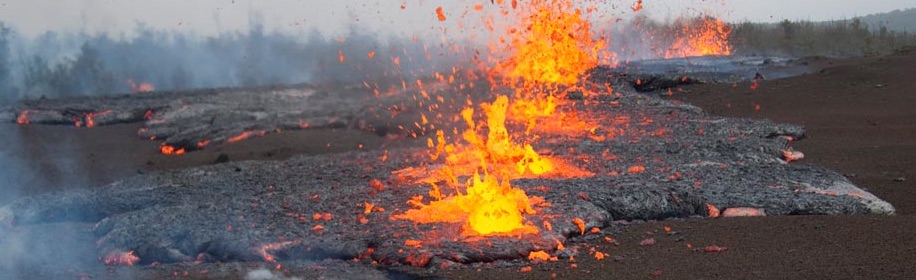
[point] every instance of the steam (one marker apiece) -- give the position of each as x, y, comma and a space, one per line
64, 65
9, 178
61, 65
266, 274
68, 246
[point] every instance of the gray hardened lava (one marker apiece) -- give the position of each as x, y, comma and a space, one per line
320, 207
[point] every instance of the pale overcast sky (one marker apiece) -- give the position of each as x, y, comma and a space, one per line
208, 17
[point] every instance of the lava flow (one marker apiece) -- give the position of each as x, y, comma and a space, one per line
170, 150
552, 49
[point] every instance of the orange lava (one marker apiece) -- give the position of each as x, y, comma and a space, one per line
140, 87
322, 216
265, 249
369, 208
538, 256
23, 118
245, 135
541, 116
580, 224
121, 258
636, 169
551, 48
489, 205
743, 212
712, 211
553, 44
791, 155
701, 36
170, 150
440, 14
714, 249
413, 243
637, 6
90, 122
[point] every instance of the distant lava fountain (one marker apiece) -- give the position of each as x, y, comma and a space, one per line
701, 36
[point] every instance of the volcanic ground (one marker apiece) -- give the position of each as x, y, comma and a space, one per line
651, 159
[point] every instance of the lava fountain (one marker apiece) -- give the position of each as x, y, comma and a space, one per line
699, 37
550, 49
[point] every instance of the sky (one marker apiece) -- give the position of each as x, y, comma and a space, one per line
210, 17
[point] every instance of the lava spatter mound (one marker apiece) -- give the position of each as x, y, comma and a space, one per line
655, 160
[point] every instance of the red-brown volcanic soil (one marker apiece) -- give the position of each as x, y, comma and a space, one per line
860, 120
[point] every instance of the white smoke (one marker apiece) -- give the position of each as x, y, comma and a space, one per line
267, 274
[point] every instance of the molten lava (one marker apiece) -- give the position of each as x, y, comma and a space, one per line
121, 258
552, 49
23, 118
637, 6
489, 206
140, 87
440, 14
245, 135
264, 250
549, 52
90, 117
553, 45
701, 36
170, 150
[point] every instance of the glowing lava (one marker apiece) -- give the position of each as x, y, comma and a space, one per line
701, 36
245, 135
264, 250
170, 150
140, 87
489, 206
553, 46
552, 49
23, 118
121, 258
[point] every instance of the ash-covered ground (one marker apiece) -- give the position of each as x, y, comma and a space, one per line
309, 213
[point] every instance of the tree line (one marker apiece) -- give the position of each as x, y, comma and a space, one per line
65, 65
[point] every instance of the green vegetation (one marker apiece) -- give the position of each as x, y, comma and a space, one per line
66, 65
842, 38
898, 20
